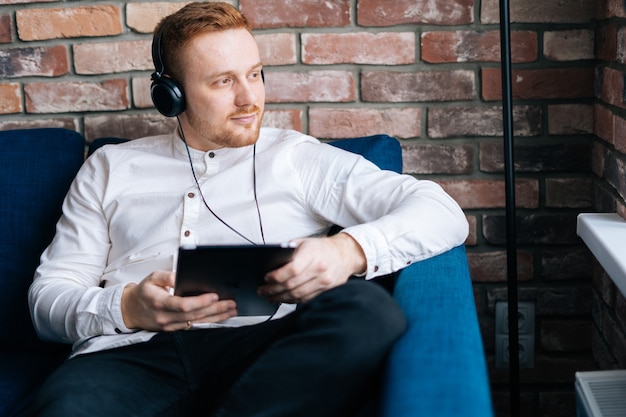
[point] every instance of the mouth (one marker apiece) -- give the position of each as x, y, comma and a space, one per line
247, 116
245, 119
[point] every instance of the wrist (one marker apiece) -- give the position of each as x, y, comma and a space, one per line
352, 252
126, 305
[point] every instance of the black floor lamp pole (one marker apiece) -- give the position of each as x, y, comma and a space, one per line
511, 233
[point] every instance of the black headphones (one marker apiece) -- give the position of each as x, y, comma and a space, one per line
167, 95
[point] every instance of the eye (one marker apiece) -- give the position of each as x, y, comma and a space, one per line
223, 82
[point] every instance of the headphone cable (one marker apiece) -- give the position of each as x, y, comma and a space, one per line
193, 172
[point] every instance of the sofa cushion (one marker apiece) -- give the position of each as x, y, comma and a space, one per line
38, 166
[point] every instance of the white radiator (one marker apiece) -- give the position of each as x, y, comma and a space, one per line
601, 394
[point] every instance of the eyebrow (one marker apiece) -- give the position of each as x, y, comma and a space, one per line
252, 68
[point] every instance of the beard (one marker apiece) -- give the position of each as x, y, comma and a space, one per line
222, 135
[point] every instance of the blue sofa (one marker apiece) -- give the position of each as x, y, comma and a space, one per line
436, 369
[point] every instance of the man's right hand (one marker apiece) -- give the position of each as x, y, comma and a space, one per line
149, 306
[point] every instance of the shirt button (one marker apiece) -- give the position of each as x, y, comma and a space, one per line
191, 195
376, 268
187, 233
211, 154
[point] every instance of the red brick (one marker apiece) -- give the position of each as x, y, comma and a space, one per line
491, 266
615, 173
603, 122
358, 48
568, 45
568, 192
141, 92
127, 126
610, 8
473, 194
64, 122
313, 86
112, 57
397, 12
537, 157
540, 83
535, 229
566, 264
332, 123
143, 17
39, 61
606, 43
570, 119
473, 46
481, 121
69, 22
437, 159
540, 11
277, 48
619, 135
24, 1
601, 351
598, 151
283, 119
612, 86
621, 46
10, 98
472, 238
6, 29
391, 86
61, 97
296, 13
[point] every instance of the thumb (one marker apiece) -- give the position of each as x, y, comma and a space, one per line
165, 279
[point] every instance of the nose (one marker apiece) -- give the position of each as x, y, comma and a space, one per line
246, 94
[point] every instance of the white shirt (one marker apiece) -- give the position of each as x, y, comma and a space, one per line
132, 205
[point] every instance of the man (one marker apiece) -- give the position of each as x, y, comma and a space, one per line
104, 282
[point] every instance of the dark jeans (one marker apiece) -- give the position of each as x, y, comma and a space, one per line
322, 360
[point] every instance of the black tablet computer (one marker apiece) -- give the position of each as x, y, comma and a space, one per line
233, 272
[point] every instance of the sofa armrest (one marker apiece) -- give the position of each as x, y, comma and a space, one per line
438, 367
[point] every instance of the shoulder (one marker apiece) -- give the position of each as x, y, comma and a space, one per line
304, 153
118, 152
284, 140
270, 137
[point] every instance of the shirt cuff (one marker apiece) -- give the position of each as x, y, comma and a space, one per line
110, 309
374, 247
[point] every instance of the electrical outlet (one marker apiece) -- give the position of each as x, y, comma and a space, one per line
526, 332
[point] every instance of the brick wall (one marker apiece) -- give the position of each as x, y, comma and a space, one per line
426, 72
609, 175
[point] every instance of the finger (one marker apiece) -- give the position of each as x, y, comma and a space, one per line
217, 311
191, 303
309, 289
212, 318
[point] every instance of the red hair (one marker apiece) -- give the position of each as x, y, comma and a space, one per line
177, 29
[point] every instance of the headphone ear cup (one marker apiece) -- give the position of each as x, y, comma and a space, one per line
168, 97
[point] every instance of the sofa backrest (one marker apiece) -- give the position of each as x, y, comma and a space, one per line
37, 167
383, 150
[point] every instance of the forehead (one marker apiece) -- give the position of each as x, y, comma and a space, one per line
227, 50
